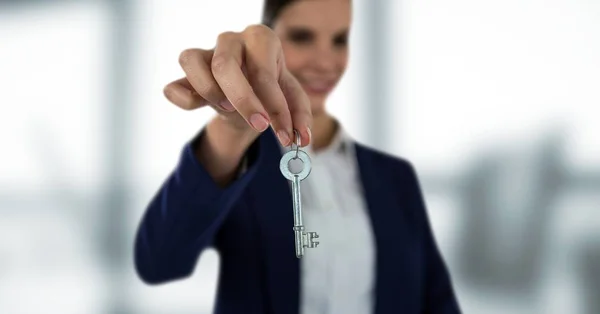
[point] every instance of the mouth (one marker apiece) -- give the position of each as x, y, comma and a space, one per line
318, 86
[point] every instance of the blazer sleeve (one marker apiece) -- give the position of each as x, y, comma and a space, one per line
183, 218
439, 293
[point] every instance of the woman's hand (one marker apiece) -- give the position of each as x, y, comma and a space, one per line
245, 80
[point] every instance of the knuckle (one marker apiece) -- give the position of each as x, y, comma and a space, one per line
243, 103
187, 55
226, 37
264, 77
301, 112
278, 114
218, 63
259, 31
208, 90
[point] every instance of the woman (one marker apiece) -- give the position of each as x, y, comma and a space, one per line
377, 252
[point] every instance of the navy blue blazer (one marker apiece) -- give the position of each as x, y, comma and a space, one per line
250, 224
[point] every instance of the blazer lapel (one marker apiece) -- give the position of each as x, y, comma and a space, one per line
272, 202
394, 268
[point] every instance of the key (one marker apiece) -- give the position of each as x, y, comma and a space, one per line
302, 239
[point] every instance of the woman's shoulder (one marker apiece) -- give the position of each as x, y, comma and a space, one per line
382, 158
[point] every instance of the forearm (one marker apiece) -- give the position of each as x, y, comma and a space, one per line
183, 218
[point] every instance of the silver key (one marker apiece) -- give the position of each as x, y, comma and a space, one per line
303, 239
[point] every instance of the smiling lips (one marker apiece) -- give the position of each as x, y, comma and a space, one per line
318, 86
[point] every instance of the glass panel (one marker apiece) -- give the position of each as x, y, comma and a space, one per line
53, 62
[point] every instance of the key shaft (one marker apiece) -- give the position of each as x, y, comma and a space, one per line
298, 224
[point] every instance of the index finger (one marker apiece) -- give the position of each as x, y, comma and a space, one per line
264, 62
299, 105
226, 66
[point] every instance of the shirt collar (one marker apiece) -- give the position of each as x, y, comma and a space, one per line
341, 144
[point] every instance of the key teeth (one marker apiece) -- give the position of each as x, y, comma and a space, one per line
310, 237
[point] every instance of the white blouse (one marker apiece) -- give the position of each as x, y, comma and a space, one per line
338, 276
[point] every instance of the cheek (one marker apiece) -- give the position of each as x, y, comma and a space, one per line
343, 61
294, 59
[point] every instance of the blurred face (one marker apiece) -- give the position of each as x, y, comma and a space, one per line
314, 35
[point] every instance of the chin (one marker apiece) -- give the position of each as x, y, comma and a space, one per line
317, 105
318, 94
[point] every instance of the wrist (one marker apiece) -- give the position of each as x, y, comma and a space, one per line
220, 149
229, 139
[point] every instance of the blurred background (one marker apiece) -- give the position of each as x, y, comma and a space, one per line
496, 103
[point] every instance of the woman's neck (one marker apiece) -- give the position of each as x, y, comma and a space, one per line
323, 131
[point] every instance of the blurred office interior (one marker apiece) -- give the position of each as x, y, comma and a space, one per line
496, 103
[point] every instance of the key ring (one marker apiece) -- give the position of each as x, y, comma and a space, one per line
297, 142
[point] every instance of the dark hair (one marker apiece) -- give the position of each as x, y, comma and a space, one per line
271, 9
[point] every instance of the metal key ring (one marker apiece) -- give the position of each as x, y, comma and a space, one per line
285, 167
297, 142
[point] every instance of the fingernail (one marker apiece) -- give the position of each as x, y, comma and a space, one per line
284, 138
259, 122
226, 105
309, 133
